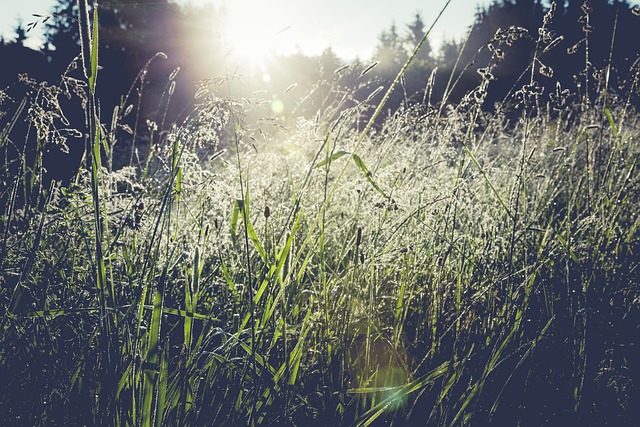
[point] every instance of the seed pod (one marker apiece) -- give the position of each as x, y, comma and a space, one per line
374, 93
573, 49
553, 44
85, 37
545, 70
549, 15
236, 322
369, 68
174, 73
339, 70
480, 95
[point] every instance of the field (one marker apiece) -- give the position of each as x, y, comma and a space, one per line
437, 265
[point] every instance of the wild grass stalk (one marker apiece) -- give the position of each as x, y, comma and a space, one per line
89, 57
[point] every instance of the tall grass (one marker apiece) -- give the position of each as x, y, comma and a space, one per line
449, 268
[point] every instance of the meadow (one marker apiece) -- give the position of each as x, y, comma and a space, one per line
437, 265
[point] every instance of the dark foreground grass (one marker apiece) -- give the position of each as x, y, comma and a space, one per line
446, 267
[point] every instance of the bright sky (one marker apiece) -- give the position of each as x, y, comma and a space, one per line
350, 27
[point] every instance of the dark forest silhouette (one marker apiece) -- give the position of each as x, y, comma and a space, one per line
133, 32
508, 39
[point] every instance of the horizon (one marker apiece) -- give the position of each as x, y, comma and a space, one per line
303, 26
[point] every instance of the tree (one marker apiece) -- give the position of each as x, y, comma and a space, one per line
569, 43
21, 34
329, 62
448, 53
61, 31
415, 34
390, 50
502, 39
132, 33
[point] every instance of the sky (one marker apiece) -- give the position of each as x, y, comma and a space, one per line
350, 27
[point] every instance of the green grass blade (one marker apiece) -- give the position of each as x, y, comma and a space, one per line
398, 395
94, 51
162, 387
367, 173
191, 295
612, 123
488, 181
151, 367
235, 214
334, 156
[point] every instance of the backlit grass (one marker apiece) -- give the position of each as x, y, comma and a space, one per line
438, 266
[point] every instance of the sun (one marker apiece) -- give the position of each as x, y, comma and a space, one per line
251, 44
253, 34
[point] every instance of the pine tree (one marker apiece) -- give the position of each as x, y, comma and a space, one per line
415, 34
21, 34
390, 50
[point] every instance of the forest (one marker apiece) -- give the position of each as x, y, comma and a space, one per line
437, 236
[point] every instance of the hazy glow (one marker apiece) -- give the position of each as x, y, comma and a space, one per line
349, 27
252, 37
259, 27
277, 106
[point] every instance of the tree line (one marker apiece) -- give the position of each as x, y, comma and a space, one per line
581, 45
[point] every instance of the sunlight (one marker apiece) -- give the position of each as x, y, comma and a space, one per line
251, 38
246, 46
253, 30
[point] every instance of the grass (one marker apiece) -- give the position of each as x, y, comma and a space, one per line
448, 268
